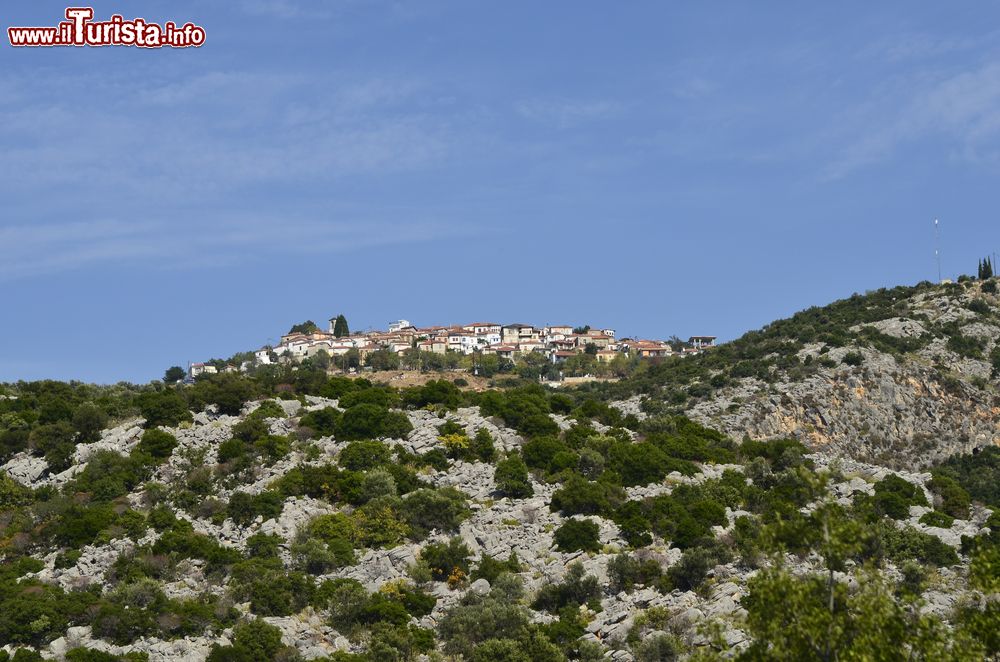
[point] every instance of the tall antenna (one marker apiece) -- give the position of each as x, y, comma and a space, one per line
937, 247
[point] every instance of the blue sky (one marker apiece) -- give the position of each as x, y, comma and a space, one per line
663, 169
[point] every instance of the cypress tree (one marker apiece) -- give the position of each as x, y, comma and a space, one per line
340, 329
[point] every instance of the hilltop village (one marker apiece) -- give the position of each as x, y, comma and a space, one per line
404, 345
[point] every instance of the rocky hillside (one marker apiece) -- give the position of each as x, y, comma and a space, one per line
903, 377
366, 523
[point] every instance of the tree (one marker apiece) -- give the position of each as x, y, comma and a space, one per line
578, 534
814, 624
306, 327
340, 328
383, 359
157, 444
511, 476
351, 359
89, 420
163, 408
174, 374
986, 269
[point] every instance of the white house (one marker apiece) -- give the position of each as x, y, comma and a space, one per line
399, 325
482, 328
263, 356
197, 369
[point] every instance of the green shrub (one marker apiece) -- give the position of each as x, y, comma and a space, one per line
688, 573
966, 346
579, 496
955, 500
370, 421
576, 589
911, 544
482, 447
481, 618
317, 557
853, 359
490, 568
444, 559
88, 421
167, 408
977, 473
269, 409
323, 422
252, 640
56, 442
578, 534
938, 519
625, 571
157, 444
429, 509
363, 455
244, 508
511, 476
79, 525
538, 453
894, 496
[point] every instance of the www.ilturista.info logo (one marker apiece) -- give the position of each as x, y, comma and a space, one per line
81, 30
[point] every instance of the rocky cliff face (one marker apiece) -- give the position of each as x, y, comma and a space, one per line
899, 409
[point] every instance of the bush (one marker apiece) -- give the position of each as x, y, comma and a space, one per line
370, 421
157, 444
79, 525
911, 544
323, 422
938, 519
447, 560
55, 441
482, 447
252, 640
363, 455
88, 421
428, 509
434, 392
244, 508
576, 589
317, 557
109, 475
658, 648
955, 500
511, 476
688, 573
895, 495
540, 452
165, 408
977, 473
853, 359
625, 571
578, 534
489, 568
579, 496
477, 619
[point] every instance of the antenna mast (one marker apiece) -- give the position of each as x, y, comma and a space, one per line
937, 248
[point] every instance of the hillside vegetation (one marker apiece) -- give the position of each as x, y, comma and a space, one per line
292, 515
809, 491
903, 377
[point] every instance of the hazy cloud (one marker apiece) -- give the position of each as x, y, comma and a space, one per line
963, 108
35, 250
566, 113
